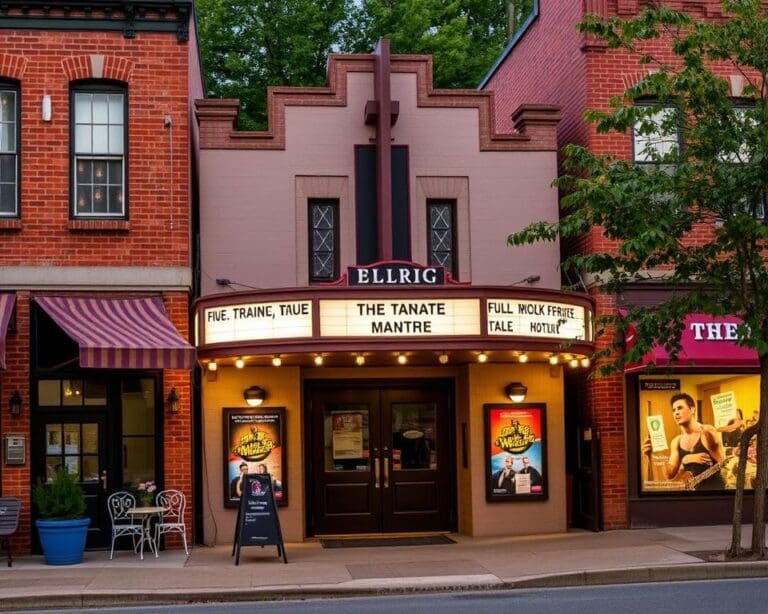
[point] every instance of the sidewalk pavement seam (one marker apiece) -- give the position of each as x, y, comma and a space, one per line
87, 599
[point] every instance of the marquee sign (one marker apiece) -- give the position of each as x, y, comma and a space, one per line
396, 274
255, 321
375, 317
522, 318
399, 317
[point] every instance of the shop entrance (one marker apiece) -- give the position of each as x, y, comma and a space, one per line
381, 457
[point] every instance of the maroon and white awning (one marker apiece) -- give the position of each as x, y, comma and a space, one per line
7, 301
120, 333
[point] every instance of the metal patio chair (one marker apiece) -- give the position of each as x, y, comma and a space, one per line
123, 523
173, 503
10, 508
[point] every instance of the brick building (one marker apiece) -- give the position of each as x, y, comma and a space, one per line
549, 61
356, 287
95, 263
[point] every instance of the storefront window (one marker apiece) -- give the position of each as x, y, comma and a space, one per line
690, 427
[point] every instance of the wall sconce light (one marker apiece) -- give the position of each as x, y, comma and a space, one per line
14, 404
254, 396
516, 392
173, 401
45, 111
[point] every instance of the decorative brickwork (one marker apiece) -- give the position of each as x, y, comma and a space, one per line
535, 125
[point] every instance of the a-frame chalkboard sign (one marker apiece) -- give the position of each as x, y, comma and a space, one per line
257, 521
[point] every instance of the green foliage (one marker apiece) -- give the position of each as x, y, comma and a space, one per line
247, 45
62, 498
656, 216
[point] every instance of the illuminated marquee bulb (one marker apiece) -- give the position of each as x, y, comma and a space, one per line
443, 358
523, 357
359, 360
212, 366
573, 363
482, 357
277, 361
553, 359
318, 360
402, 359
239, 363
585, 362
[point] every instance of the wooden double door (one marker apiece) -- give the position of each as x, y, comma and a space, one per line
381, 458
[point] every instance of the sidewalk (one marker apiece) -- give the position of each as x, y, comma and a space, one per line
209, 574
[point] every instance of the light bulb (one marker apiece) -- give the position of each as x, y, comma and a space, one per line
553, 359
319, 360
359, 360
482, 357
523, 357
443, 358
402, 359
585, 362
212, 366
573, 363
239, 363
276, 361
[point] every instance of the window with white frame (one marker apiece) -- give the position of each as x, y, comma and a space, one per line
9, 150
656, 135
99, 158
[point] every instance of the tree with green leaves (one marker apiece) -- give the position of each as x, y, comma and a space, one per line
693, 216
247, 46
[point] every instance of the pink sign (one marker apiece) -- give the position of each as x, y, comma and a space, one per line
707, 341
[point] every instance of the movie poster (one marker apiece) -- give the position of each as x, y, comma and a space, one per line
254, 442
690, 428
516, 452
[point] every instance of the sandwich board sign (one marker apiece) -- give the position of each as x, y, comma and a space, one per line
257, 521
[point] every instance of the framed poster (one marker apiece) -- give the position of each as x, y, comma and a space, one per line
516, 452
254, 442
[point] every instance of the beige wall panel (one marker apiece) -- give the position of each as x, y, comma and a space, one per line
486, 385
283, 390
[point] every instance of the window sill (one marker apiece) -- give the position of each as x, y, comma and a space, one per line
118, 225
10, 224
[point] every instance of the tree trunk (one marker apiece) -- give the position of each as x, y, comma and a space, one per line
734, 551
761, 479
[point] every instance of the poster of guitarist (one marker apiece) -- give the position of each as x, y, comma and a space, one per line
696, 454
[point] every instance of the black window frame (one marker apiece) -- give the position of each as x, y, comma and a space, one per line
100, 86
11, 85
334, 204
451, 203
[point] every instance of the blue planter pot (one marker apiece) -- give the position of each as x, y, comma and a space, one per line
63, 541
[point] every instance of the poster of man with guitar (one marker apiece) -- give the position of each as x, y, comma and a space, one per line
696, 454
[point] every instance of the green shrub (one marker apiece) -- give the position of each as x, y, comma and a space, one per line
62, 498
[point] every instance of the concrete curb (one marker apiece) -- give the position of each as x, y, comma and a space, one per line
665, 573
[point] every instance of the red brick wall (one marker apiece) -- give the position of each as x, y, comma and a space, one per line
546, 66
154, 68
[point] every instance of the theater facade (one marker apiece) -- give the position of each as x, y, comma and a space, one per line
366, 335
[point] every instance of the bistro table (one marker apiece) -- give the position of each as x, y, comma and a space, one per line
145, 514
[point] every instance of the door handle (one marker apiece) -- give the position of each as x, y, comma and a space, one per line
386, 472
103, 480
376, 472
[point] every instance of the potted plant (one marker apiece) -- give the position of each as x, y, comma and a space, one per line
62, 525
145, 493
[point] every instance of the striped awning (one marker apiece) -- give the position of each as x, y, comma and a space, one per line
120, 333
7, 301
